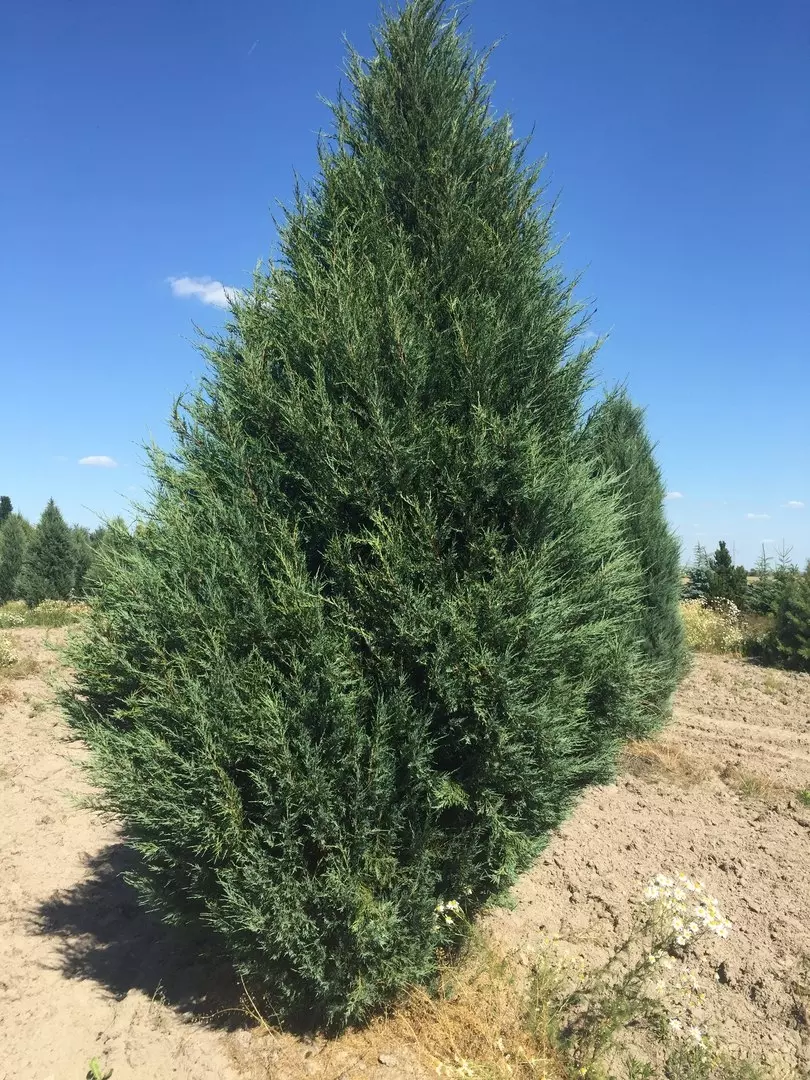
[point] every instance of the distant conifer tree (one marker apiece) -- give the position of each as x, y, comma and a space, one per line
617, 438
13, 541
50, 561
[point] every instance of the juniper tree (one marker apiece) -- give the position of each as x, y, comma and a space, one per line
616, 438
5, 508
379, 626
13, 540
84, 555
50, 560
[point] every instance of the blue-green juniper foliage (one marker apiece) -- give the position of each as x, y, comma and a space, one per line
617, 439
380, 625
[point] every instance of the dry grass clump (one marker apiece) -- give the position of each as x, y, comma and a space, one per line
524, 1016
653, 759
753, 785
8, 654
490, 1017
13, 663
716, 627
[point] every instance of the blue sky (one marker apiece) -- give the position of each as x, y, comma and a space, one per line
151, 141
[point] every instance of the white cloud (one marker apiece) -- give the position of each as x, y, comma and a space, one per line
758, 517
794, 504
205, 289
101, 461
674, 495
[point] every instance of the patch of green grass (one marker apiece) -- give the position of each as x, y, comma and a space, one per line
751, 785
804, 796
771, 684
53, 613
95, 1071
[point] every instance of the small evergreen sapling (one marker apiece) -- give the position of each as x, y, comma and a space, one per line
788, 644
726, 581
697, 575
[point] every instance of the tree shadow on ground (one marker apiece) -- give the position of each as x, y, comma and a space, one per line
105, 935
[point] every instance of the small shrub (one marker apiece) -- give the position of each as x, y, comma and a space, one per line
713, 627
638, 984
751, 785
651, 759
788, 643
10, 618
54, 613
771, 684
8, 654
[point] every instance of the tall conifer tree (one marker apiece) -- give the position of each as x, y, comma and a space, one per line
50, 560
616, 436
380, 625
13, 541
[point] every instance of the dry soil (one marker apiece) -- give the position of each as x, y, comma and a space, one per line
84, 973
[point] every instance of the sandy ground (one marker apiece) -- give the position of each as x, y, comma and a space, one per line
85, 974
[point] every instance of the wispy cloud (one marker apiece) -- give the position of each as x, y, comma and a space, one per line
758, 517
206, 289
673, 495
794, 504
100, 461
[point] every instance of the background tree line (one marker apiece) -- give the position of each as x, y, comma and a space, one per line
774, 597
47, 561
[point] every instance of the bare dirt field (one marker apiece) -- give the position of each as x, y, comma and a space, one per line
85, 974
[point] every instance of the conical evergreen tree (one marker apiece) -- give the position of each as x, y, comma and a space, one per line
13, 541
5, 508
788, 643
50, 560
84, 556
379, 628
726, 581
616, 437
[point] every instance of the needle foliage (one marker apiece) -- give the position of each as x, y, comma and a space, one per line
379, 625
